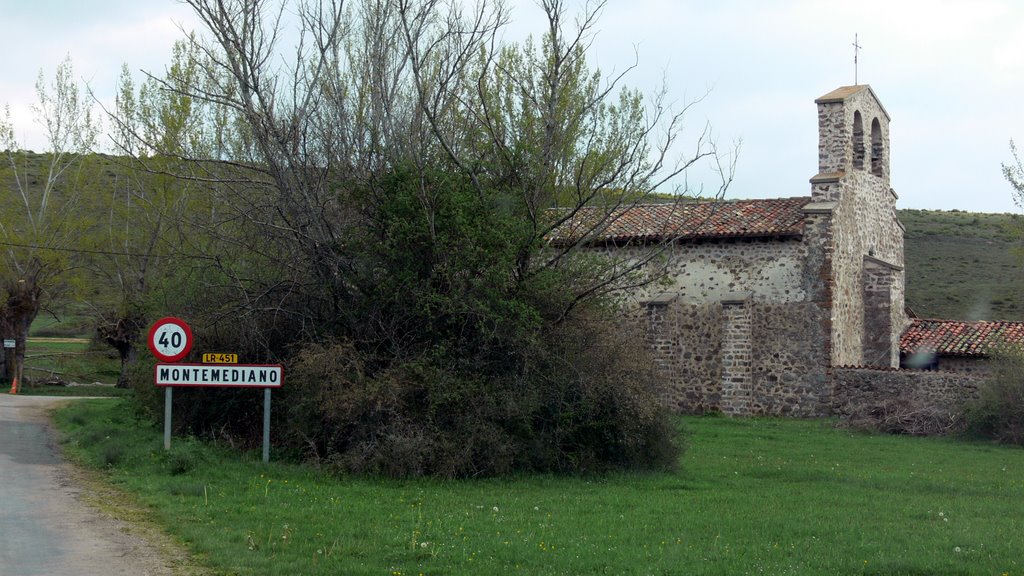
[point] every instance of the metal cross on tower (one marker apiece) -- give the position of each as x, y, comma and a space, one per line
856, 52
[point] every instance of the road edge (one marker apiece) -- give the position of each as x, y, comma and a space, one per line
122, 507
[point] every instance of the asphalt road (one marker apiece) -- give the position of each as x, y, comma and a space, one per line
45, 527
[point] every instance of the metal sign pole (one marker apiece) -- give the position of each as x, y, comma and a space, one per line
266, 425
167, 418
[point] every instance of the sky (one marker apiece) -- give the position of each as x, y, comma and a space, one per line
950, 73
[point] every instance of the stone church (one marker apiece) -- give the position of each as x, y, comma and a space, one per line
763, 298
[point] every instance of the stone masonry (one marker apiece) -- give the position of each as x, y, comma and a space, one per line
864, 220
737, 365
859, 389
752, 320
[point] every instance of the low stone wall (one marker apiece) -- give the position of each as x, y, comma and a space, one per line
965, 365
856, 390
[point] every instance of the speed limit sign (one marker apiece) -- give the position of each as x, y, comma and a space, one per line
170, 339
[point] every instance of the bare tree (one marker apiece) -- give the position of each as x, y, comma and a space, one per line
428, 84
576, 146
171, 201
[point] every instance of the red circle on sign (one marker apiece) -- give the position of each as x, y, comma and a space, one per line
170, 339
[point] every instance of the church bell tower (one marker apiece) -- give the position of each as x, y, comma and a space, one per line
866, 249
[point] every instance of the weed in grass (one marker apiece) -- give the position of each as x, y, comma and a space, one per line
190, 489
95, 435
113, 452
183, 457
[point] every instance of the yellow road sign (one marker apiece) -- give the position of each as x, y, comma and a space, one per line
218, 358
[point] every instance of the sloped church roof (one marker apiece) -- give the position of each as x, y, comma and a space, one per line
651, 223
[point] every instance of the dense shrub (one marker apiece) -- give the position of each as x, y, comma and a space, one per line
453, 356
467, 365
998, 413
586, 404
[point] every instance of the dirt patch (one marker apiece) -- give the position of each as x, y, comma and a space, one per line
157, 550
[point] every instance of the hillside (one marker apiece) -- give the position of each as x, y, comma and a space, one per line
964, 265
960, 265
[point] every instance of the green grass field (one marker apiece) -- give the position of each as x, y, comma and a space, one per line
72, 360
752, 496
68, 324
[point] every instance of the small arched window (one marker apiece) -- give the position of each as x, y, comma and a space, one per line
858, 141
877, 148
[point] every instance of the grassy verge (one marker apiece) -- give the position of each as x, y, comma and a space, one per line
752, 497
117, 503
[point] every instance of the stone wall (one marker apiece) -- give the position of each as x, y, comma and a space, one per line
855, 389
865, 227
740, 356
790, 374
737, 363
686, 342
879, 348
965, 365
710, 270
742, 326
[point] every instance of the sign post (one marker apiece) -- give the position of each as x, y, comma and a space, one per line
264, 376
10, 363
167, 417
266, 425
170, 340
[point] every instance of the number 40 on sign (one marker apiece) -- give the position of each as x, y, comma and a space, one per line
170, 339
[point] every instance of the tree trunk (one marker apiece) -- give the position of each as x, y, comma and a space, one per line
16, 318
5, 375
121, 334
128, 357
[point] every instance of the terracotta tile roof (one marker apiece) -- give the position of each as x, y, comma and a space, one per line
957, 338
689, 220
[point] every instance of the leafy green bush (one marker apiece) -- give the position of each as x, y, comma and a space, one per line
998, 412
466, 365
453, 356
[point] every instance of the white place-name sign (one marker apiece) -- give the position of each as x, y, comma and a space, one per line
235, 375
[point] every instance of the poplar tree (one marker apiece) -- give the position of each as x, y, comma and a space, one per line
40, 218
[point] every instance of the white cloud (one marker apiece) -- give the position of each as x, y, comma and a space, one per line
99, 37
948, 71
